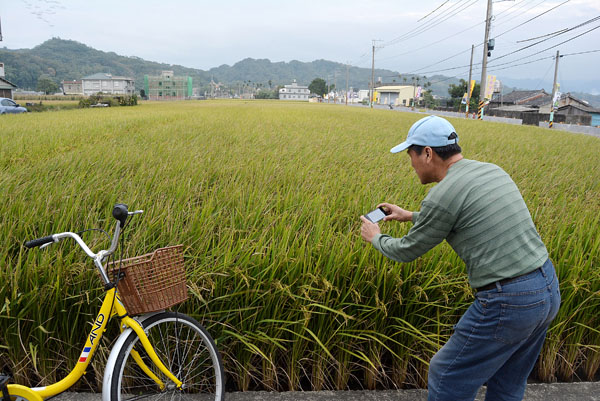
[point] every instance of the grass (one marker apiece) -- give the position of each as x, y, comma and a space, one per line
265, 196
50, 105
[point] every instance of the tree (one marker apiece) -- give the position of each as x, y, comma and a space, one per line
46, 84
267, 94
428, 100
457, 92
318, 86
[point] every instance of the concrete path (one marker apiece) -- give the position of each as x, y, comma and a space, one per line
534, 392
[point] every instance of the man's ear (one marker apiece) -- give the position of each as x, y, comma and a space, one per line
428, 153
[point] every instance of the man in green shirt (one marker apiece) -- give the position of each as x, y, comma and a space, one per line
477, 208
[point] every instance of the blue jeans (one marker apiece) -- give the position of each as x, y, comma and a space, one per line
497, 341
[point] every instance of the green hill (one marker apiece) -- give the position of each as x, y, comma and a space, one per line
69, 60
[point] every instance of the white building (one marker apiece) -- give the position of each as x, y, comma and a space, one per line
72, 87
399, 95
363, 94
6, 87
294, 92
106, 83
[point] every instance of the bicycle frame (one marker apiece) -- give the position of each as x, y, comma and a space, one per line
111, 306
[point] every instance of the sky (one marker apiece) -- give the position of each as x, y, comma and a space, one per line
427, 37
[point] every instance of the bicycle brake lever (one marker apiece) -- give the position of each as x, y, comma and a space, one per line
48, 244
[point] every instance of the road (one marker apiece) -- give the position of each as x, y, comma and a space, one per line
534, 392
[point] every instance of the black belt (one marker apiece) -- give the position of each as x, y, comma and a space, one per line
505, 281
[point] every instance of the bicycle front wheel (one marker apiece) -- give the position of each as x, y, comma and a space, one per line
186, 349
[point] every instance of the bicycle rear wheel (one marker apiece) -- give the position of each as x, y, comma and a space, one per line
186, 349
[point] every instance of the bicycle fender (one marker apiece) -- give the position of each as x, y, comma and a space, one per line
109, 370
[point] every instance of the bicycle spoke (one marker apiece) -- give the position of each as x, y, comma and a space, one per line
187, 352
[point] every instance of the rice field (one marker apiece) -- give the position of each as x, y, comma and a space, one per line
266, 198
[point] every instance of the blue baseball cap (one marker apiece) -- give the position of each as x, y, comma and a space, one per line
429, 131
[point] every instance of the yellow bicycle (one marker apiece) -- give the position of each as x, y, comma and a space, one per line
159, 354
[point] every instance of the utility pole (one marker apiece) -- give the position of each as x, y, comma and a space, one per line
554, 90
373, 72
414, 92
488, 22
334, 85
372, 76
327, 88
347, 68
469, 83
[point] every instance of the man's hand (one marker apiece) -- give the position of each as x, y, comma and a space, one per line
395, 212
368, 230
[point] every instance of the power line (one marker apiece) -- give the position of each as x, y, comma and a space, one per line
543, 36
551, 47
451, 36
362, 57
411, 31
520, 4
574, 54
505, 18
457, 76
511, 63
435, 43
433, 11
516, 65
432, 23
545, 75
526, 47
531, 19
415, 31
441, 61
493, 64
497, 36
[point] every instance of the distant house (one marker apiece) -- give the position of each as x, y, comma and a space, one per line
530, 100
167, 86
106, 83
294, 92
6, 87
538, 101
571, 106
72, 87
397, 95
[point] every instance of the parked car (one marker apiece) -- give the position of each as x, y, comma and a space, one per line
9, 106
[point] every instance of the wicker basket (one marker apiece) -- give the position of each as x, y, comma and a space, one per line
151, 282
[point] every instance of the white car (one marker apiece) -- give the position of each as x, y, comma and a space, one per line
8, 106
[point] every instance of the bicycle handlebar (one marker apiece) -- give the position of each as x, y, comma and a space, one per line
120, 213
39, 241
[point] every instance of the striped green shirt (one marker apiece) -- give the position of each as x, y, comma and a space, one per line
478, 209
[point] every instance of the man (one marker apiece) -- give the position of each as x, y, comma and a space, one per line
477, 208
